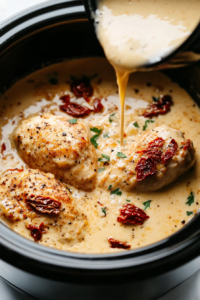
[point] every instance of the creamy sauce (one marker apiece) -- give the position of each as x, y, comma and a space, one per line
138, 33
35, 95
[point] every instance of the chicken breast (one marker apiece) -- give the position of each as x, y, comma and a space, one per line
60, 146
41, 206
159, 157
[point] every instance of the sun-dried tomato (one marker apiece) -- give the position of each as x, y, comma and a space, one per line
159, 108
65, 99
145, 167
155, 154
87, 99
75, 110
36, 231
157, 143
187, 145
117, 244
3, 148
44, 205
81, 88
171, 151
153, 149
130, 214
98, 106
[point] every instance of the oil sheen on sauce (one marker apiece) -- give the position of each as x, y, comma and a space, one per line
35, 95
135, 33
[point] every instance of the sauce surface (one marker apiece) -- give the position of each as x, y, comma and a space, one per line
137, 33
40, 93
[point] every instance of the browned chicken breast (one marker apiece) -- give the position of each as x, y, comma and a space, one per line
159, 157
61, 146
41, 207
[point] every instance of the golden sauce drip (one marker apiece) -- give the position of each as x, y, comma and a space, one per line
122, 81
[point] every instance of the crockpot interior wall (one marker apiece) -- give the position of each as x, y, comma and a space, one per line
65, 41
188, 78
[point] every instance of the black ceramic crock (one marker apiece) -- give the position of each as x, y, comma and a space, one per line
49, 33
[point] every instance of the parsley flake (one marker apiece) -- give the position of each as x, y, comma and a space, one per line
96, 130
93, 140
101, 170
128, 200
116, 192
110, 118
106, 135
104, 210
146, 204
189, 213
146, 124
110, 187
72, 121
190, 199
136, 125
105, 158
121, 155
156, 99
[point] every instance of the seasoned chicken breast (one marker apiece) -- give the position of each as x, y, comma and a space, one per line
60, 146
159, 157
41, 206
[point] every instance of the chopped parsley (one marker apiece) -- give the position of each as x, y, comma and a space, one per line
156, 99
116, 192
96, 130
101, 170
189, 213
121, 155
53, 81
146, 204
93, 140
146, 124
110, 187
128, 200
105, 158
136, 124
190, 199
95, 137
118, 142
106, 135
104, 210
110, 118
72, 121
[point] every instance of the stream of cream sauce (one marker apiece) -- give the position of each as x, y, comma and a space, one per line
135, 33
35, 95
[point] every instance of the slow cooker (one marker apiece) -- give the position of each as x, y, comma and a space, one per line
45, 34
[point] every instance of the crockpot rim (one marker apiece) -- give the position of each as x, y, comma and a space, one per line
152, 260
20, 240
193, 240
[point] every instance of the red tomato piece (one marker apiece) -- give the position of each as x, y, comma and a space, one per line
130, 214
